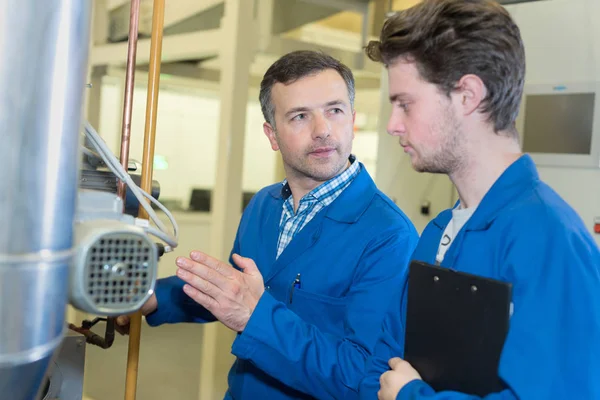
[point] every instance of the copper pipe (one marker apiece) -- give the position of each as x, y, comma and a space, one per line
158, 17
91, 337
134, 16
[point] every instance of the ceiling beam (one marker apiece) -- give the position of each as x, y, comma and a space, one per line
179, 17
185, 46
184, 73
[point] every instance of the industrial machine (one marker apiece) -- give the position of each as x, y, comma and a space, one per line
114, 264
70, 234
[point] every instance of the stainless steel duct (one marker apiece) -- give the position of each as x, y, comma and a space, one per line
44, 46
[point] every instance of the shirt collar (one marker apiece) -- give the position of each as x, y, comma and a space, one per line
323, 190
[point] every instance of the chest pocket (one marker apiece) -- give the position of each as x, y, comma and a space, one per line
325, 312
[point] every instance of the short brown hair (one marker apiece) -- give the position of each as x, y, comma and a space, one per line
297, 65
448, 39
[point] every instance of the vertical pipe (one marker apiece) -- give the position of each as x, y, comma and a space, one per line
134, 17
146, 178
42, 83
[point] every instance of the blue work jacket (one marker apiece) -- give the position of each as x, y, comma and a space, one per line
522, 232
310, 340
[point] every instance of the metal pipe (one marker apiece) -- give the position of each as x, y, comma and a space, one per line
104, 342
134, 17
42, 85
158, 16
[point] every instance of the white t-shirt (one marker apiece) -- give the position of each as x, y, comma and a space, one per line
460, 216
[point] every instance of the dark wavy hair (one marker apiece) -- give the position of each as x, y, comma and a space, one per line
296, 65
448, 39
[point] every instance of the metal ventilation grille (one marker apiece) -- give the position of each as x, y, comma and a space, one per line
118, 270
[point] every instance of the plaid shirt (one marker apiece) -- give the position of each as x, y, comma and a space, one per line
313, 202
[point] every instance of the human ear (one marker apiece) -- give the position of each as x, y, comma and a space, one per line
270, 133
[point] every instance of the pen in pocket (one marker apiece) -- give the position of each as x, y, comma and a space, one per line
295, 284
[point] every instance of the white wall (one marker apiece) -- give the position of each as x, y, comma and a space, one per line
562, 45
365, 149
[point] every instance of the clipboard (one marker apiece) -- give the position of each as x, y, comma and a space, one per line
456, 326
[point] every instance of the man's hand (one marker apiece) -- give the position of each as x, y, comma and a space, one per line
394, 380
230, 295
122, 321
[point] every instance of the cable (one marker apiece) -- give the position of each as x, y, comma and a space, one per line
88, 152
166, 211
114, 165
118, 170
162, 236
